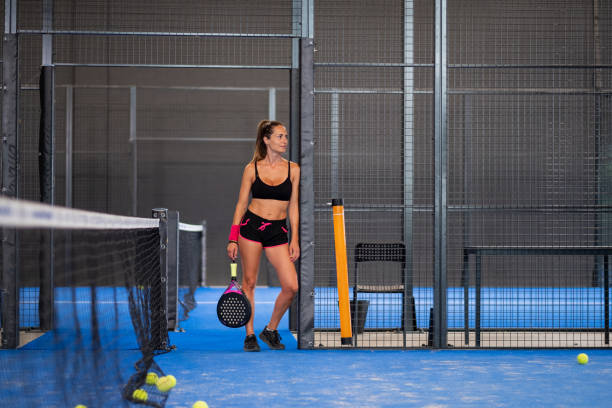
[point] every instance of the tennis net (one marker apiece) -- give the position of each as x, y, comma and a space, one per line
82, 307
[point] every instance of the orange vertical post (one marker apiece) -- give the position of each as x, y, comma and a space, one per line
346, 332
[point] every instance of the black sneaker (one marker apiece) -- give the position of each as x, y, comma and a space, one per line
250, 343
271, 338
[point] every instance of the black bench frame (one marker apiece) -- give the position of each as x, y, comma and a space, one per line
479, 251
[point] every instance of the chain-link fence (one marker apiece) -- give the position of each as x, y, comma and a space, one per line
474, 133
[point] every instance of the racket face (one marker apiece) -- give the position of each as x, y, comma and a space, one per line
233, 309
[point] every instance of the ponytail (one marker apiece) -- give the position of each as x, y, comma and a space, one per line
264, 129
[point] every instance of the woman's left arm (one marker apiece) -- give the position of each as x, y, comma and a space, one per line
294, 213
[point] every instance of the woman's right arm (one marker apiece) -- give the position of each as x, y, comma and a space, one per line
248, 176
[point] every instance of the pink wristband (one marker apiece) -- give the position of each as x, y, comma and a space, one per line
233, 236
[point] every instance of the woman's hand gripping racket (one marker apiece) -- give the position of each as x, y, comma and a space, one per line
234, 308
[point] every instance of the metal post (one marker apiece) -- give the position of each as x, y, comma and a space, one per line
606, 288
307, 227
159, 318
408, 89
440, 166
47, 99
203, 254
294, 131
465, 281
173, 269
69, 128
307, 19
466, 214
46, 159
302, 133
602, 229
478, 278
134, 151
272, 104
10, 102
68, 170
9, 289
295, 101
47, 39
335, 141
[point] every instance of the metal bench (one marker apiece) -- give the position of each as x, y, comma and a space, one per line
479, 251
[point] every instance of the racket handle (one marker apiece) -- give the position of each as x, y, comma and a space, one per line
233, 268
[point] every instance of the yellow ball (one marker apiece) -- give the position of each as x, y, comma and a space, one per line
165, 384
151, 378
171, 379
199, 404
80, 406
582, 358
140, 395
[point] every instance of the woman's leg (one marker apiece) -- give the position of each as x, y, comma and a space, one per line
250, 254
279, 258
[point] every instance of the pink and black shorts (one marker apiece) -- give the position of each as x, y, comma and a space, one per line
267, 232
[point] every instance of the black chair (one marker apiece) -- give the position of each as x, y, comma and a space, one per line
386, 252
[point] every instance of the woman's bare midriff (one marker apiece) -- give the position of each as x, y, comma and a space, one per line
269, 209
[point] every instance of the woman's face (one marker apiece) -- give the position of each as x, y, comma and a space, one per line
278, 140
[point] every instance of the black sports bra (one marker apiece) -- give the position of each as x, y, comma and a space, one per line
281, 192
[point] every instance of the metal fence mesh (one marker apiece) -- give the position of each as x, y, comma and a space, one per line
232, 17
185, 70
373, 149
171, 51
527, 153
528, 129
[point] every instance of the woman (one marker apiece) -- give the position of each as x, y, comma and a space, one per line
274, 184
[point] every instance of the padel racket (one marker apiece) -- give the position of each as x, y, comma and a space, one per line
233, 308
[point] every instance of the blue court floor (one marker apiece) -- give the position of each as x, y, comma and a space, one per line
210, 365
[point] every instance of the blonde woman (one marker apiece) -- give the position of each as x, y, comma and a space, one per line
261, 225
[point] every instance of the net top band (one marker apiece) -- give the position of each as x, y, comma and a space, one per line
28, 214
190, 227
